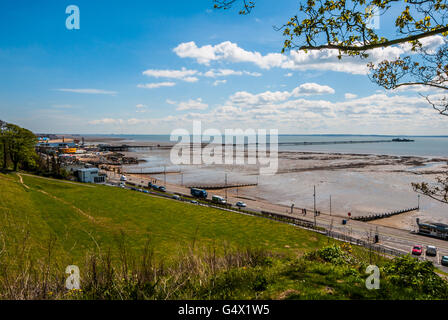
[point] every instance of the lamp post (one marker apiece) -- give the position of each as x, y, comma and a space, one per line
314, 195
225, 184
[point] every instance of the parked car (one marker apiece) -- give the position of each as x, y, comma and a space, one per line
140, 190
161, 188
145, 191
194, 201
155, 187
417, 250
175, 197
240, 204
444, 261
431, 251
123, 178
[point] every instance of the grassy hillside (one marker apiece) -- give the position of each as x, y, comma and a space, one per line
129, 245
82, 216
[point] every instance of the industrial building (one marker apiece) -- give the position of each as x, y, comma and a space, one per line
91, 175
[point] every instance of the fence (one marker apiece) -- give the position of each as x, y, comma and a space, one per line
359, 242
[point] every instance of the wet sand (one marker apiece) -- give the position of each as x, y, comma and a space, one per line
361, 184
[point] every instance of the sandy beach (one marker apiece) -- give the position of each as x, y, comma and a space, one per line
361, 184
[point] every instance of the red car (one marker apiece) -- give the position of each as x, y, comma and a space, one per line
417, 250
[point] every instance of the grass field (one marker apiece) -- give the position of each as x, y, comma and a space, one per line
84, 216
129, 245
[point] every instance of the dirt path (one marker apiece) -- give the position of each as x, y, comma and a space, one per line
21, 181
57, 180
56, 198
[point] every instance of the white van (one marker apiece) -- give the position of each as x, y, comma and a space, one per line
218, 200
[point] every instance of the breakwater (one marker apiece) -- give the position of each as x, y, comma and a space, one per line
383, 215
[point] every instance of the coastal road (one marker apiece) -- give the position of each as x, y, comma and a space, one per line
398, 239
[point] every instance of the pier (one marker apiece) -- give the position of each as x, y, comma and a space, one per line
125, 147
383, 215
304, 143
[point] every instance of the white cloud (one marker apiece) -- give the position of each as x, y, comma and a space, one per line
106, 121
88, 91
296, 60
189, 105
312, 88
350, 95
288, 74
141, 108
156, 85
377, 113
218, 82
227, 51
214, 73
183, 74
268, 97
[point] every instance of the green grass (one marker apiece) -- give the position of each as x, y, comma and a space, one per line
169, 225
195, 252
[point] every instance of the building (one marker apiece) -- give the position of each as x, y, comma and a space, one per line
91, 175
433, 229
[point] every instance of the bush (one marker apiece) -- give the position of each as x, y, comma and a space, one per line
332, 254
409, 273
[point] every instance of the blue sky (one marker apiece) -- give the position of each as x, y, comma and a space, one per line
149, 67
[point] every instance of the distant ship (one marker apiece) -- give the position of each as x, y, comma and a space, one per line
402, 140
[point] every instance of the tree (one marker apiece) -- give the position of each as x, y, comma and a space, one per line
17, 144
3, 146
346, 26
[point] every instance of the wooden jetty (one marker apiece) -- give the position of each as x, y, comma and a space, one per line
383, 215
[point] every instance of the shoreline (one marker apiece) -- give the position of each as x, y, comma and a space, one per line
361, 183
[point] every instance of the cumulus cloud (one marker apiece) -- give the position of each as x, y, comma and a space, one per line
350, 95
227, 51
376, 113
191, 104
269, 97
296, 60
156, 85
312, 88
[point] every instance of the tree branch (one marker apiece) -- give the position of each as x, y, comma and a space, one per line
377, 45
